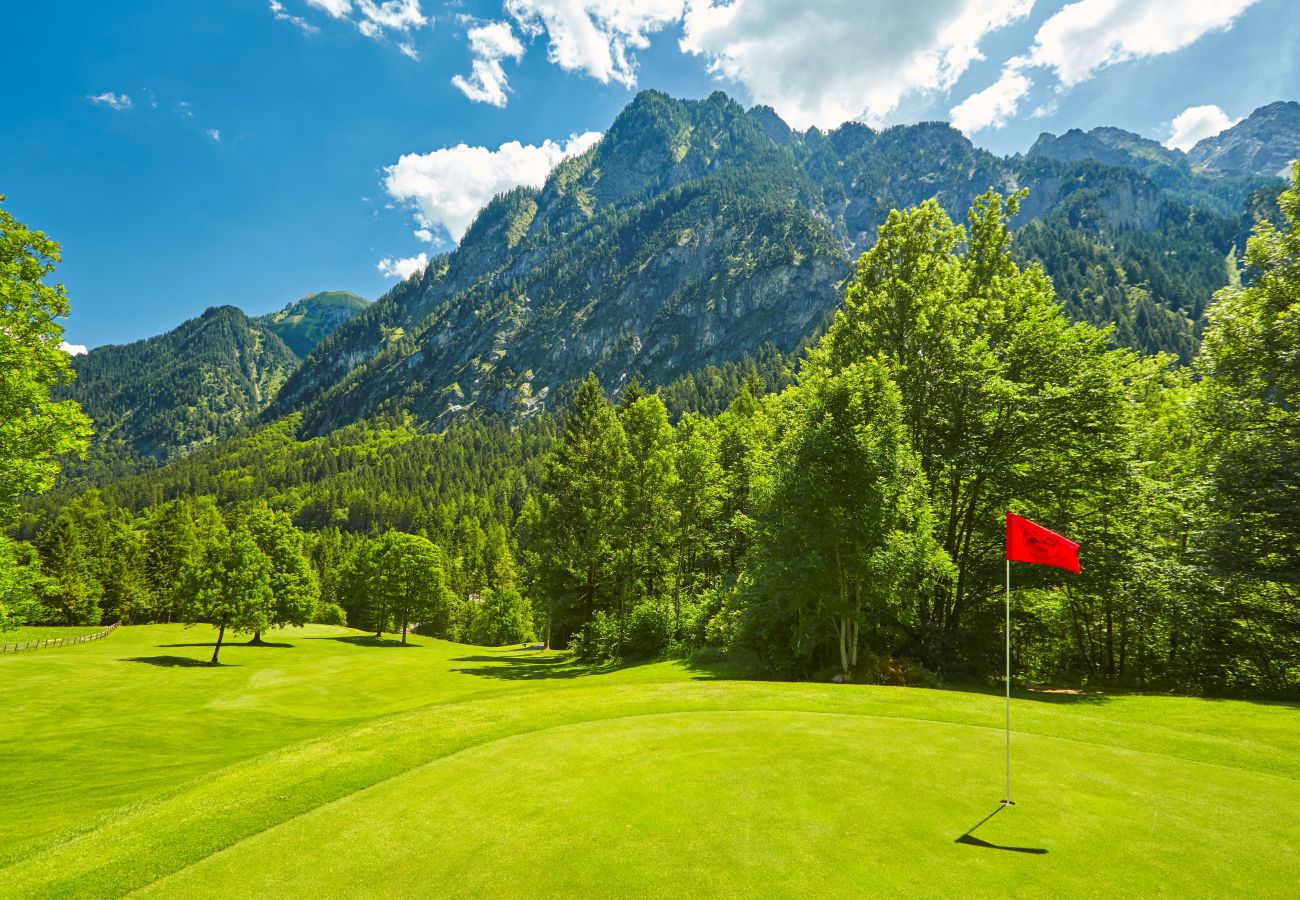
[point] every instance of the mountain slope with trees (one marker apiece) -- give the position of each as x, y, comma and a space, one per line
696, 231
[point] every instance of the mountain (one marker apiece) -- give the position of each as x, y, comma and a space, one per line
165, 395
305, 323
696, 231
1264, 143
1116, 147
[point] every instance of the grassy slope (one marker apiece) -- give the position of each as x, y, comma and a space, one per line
338, 768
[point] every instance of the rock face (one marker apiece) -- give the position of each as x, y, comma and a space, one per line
159, 397
692, 233
1265, 143
303, 324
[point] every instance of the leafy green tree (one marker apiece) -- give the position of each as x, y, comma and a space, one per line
34, 432
842, 536
21, 584
503, 617
1003, 400
409, 584
697, 498
171, 546
1251, 401
647, 480
294, 587
580, 509
230, 587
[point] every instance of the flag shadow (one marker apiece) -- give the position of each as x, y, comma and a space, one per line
969, 838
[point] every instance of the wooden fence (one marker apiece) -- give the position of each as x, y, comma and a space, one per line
58, 642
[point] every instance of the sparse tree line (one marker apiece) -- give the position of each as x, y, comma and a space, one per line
841, 517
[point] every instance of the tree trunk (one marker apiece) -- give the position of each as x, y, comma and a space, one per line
548, 627
217, 649
403, 628
257, 639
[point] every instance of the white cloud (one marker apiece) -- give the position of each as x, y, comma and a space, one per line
336, 8
596, 36
213, 133
73, 349
424, 234
1091, 34
282, 15
490, 43
447, 188
834, 60
402, 268
1195, 124
375, 18
111, 100
991, 107
1088, 35
391, 15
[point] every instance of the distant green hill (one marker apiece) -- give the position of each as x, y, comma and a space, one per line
165, 395
306, 322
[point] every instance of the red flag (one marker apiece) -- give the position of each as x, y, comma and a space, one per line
1031, 543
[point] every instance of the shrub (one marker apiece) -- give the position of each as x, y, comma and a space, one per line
649, 630
329, 614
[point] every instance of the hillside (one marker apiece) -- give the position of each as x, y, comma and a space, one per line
695, 231
200, 382
305, 323
165, 395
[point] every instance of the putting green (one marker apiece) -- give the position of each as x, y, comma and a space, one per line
334, 765
773, 803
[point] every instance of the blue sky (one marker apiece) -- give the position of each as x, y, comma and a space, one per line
249, 152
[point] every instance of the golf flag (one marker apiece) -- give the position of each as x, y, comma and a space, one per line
1032, 543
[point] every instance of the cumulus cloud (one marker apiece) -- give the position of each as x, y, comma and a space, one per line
73, 349
836, 60
283, 15
402, 268
1195, 124
111, 100
446, 188
490, 43
1088, 35
991, 107
596, 37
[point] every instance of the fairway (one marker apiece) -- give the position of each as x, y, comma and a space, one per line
341, 766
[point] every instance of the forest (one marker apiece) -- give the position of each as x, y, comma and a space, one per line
834, 512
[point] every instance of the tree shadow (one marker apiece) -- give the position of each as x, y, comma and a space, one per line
364, 640
970, 840
225, 644
537, 668
175, 662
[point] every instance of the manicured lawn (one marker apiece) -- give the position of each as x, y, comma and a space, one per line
41, 632
335, 768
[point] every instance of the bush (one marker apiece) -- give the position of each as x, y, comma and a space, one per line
329, 614
649, 630
597, 642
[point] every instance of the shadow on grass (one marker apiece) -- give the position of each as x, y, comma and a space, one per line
175, 662
225, 644
970, 840
364, 640
522, 668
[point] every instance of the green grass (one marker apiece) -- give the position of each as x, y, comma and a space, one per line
41, 632
335, 767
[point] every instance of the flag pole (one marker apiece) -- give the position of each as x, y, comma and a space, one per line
1008, 801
